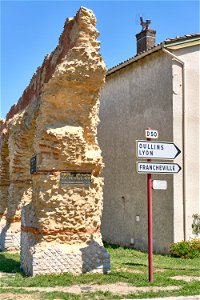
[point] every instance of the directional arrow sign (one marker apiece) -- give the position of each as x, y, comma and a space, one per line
159, 150
157, 168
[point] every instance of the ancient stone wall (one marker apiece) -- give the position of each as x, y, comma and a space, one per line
55, 124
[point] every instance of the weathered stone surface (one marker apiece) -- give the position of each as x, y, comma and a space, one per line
4, 182
4, 174
56, 121
15, 177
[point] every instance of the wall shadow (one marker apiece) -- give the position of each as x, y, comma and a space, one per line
95, 258
3, 235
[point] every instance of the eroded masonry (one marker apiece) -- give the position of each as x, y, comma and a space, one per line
50, 160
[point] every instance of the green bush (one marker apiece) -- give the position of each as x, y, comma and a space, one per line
186, 249
196, 224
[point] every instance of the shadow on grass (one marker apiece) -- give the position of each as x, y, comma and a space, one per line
9, 265
114, 246
135, 264
171, 268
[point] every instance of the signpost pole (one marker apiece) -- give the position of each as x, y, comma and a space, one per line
154, 150
150, 223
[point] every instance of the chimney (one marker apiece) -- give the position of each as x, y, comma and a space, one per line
146, 39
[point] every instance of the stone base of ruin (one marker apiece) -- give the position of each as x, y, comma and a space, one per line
54, 258
10, 236
39, 256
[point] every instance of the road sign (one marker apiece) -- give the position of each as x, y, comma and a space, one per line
159, 184
156, 150
157, 168
151, 134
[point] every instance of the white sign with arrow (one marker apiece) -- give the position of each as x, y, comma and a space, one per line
157, 168
156, 150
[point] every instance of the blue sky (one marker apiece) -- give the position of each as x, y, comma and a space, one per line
31, 29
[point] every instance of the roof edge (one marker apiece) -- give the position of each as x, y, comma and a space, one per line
171, 44
134, 59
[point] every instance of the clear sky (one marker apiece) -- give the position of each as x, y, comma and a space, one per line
31, 29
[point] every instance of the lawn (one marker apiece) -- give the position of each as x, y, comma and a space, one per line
128, 267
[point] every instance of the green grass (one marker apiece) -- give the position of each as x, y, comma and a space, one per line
89, 296
124, 262
9, 263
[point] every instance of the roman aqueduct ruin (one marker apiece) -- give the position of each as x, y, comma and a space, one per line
51, 163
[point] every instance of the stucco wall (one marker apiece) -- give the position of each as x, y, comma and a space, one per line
178, 191
191, 126
133, 99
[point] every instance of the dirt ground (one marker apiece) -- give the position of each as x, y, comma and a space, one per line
11, 296
120, 288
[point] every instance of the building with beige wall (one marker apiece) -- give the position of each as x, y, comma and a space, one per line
157, 88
